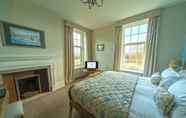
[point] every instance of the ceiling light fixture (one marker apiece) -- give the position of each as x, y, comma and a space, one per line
92, 3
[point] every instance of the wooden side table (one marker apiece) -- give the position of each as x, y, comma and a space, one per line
88, 74
94, 73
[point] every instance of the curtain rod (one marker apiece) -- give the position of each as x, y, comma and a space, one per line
152, 13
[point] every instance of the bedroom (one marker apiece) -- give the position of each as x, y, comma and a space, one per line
100, 28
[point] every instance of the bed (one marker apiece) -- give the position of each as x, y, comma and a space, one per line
114, 95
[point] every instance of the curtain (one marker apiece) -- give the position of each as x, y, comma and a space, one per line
118, 47
69, 56
151, 65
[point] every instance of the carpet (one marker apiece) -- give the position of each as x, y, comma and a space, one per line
51, 105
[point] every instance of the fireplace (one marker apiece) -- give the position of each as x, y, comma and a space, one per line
28, 86
25, 84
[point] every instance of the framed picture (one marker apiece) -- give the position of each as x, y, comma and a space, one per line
23, 36
1, 35
100, 47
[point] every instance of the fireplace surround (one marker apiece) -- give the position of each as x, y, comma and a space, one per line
25, 84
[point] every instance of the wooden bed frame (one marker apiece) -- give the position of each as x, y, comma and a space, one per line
84, 113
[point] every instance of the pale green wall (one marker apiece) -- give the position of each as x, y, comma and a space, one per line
105, 36
24, 13
171, 37
172, 33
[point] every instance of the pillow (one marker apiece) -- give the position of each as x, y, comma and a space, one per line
183, 73
164, 101
178, 89
167, 82
169, 72
155, 78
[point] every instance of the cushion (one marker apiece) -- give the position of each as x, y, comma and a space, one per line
183, 73
167, 82
169, 72
178, 89
155, 78
164, 101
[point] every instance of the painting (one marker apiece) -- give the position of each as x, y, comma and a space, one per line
1, 35
16, 35
100, 47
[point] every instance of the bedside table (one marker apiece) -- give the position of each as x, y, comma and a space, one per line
87, 75
94, 73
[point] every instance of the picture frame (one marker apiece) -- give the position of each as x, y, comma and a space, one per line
16, 35
1, 34
100, 47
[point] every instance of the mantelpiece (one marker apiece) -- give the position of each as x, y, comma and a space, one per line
15, 63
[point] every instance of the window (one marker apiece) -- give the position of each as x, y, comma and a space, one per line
133, 46
80, 49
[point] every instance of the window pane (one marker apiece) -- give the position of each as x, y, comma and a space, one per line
76, 39
134, 38
135, 30
76, 35
77, 42
142, 37
127, 31
127, 39
77, 55
143, 28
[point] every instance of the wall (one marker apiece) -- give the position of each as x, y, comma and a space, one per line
24, 13
172, 34
106, 58
171, 38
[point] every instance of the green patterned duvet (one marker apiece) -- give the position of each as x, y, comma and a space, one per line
108, 95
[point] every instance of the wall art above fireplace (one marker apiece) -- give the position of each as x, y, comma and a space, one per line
16, 35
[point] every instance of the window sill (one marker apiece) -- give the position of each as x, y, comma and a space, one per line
79, 67
132, 72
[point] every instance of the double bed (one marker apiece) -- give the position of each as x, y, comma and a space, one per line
114, 95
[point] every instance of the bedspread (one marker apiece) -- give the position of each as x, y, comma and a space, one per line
108, 95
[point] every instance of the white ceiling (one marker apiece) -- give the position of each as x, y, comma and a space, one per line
112, 11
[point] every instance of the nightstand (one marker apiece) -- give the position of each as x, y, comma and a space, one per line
88, 74
94, 73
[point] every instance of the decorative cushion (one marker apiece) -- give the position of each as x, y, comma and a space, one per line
183, 73
164, 101
178, 89
155, 78
167, 82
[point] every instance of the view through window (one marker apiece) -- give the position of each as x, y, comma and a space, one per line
133, 46
80, 51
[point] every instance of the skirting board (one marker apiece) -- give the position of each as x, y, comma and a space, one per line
58, 85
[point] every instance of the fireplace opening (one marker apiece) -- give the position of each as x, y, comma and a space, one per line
28, 86
25, 84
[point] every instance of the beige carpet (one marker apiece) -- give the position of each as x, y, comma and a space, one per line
52, 105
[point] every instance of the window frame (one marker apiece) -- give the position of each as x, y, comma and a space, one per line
82, 47
135, 43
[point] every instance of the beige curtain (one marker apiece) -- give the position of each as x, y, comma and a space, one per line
118, 47
151, 65
69, 58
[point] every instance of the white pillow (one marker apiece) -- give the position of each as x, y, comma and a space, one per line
178, 89
183, 73
167, 82
169, 72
